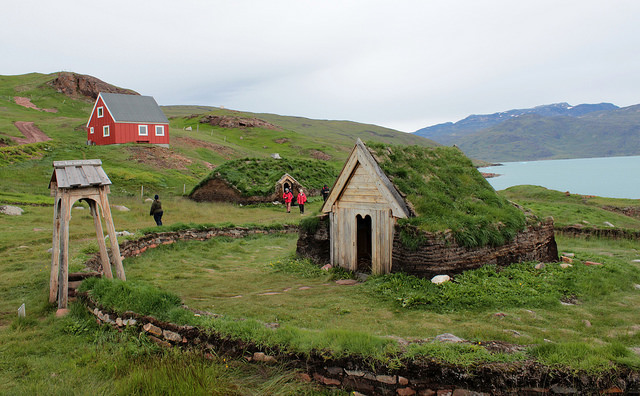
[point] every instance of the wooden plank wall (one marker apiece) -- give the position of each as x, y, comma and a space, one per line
344, 237
362, 189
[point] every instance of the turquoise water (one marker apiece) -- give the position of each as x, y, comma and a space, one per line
615, 177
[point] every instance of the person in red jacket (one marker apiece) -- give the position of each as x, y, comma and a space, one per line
302, 198
288, 197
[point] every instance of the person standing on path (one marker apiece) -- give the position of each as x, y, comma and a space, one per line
302, 198
156, 210
325, 193
288, 197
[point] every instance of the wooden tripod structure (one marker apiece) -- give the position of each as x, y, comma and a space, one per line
75, 181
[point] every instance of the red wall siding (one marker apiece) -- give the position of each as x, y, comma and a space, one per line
128, 133
121, 132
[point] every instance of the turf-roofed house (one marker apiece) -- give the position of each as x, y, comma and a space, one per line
422, 211
120, 118
263, 180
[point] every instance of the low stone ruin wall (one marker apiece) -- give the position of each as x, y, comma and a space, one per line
440, 254
406, 377
582, 231
219, 190
437, 255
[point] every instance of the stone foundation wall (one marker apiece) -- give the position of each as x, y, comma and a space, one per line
366, 377
582, 231
439, 254
315, 245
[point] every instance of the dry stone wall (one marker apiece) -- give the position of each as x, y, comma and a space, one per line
366, 377
438, 255
441, 254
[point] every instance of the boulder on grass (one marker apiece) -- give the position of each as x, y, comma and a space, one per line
438, 279
11, 210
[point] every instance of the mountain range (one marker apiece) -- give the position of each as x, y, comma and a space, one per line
544, 132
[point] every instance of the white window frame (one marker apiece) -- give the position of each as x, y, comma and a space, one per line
161, 129
100, 112
145, 128
91, 130
105, 131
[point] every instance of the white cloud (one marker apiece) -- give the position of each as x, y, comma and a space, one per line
403, 64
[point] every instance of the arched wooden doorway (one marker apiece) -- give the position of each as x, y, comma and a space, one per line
364, 246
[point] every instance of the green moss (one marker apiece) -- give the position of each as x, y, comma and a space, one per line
448, 193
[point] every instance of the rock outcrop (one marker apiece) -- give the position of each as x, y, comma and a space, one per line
237, 122
78, 86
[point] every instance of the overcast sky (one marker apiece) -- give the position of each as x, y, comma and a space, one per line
399, 64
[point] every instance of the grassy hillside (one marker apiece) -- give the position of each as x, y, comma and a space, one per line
252, 281
336, 134
587, 211
192, 155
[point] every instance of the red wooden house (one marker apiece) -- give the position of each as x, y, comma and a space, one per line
118, 118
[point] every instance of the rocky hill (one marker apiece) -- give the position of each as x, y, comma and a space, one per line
545, 132
447, 133
78, 86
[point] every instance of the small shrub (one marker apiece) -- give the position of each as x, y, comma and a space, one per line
24, 322
312, 223
131, 296
300, 266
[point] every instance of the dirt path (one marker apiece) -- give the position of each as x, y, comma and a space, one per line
26, 102
32, 134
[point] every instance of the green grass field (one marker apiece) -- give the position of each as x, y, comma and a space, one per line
256, 279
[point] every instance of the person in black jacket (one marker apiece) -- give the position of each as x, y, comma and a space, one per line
325, 192
156, 210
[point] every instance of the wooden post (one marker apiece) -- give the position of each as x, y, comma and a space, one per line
104, 257
55, 252
63, 273
113, 240
141, 192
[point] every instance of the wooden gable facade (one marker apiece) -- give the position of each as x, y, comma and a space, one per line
287, 181
363, 208
119, 118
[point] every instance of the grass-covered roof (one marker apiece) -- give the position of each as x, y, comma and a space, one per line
448, 193
258, 176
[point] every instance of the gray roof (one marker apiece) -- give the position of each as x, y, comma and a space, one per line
133, 108
80, 173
